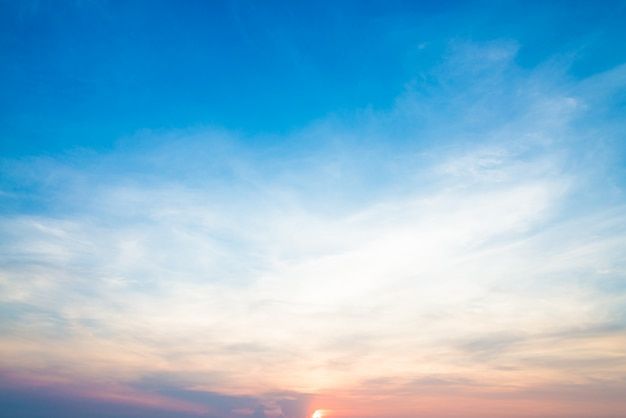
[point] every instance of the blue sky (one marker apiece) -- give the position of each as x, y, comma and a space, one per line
364, 209
85, 74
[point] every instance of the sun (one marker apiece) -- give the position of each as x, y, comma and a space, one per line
318, 414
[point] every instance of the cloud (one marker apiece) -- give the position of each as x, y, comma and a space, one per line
456, 239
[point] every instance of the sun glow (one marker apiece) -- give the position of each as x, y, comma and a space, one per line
317, 414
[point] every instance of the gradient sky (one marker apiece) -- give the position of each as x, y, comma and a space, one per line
376, 209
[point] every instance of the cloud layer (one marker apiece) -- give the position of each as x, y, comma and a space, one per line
465, 244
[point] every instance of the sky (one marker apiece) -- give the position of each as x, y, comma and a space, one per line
354, 209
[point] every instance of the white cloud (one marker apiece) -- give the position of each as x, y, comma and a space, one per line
289, 272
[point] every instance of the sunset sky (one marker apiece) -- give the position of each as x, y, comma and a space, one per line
327, 209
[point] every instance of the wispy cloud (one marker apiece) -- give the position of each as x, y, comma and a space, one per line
471, 252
